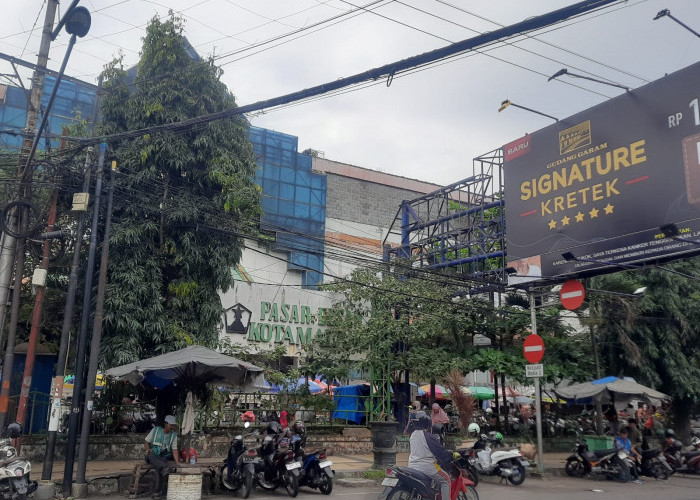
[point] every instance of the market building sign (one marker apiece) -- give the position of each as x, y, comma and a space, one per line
257, 314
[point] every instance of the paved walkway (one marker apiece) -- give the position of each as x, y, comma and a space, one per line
346, 464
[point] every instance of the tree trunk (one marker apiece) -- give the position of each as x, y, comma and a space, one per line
681, 409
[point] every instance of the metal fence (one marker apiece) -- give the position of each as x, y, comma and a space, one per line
140, 417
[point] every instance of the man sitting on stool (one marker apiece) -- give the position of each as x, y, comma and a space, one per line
161, 446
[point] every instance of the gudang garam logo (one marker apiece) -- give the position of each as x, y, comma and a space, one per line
575, 137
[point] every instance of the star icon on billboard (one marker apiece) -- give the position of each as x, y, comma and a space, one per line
609, 209
552, 224
565, 221
593, 213
579, 217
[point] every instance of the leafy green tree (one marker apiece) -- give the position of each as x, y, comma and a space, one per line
655, 339
183, 200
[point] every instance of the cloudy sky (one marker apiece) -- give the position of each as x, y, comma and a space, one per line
427, 124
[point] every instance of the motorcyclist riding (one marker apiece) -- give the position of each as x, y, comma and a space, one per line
428, 455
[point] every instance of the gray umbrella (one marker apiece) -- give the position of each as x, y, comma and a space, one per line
191, 366
608, 389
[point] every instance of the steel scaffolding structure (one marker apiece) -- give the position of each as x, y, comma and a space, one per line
460, 227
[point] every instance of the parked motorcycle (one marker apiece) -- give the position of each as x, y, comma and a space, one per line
654, 464
240, 466
510, 464
316, 469
278, 466
14, 471
614, 464
680, 460
404, 483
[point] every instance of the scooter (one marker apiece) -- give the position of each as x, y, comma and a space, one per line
684, 462
510, 464
316, 469
238, 472
654, 464
405, 483
278, 466
14, 471
613, 463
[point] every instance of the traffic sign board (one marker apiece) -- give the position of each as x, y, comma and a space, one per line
572, 294
532, 371
533, 348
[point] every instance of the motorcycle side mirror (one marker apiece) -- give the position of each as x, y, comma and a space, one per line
246, 425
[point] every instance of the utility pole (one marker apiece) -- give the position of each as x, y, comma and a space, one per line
57, 385
80, 486
7, 253
36, 315
82, 336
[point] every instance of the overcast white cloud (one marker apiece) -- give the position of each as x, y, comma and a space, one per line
427, 125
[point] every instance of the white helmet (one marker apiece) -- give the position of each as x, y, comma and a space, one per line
473, 429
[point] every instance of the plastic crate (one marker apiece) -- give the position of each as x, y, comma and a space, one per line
599, 442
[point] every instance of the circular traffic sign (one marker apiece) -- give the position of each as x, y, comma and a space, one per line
572, 294
533, 348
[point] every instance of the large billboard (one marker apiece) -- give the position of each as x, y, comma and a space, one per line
600, 184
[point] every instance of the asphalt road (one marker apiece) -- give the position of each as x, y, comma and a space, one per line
550, 488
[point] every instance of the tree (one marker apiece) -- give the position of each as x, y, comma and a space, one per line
184, 200
655, 339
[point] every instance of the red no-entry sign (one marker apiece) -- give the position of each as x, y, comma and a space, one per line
572, 294
533, 348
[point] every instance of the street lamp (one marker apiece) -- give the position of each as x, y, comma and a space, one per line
667, 13
507, 102
565, 71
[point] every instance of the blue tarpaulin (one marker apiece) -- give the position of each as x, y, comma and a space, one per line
350, 402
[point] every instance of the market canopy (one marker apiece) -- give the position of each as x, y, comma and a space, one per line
440, 391
479, 392
609, 389
191, 366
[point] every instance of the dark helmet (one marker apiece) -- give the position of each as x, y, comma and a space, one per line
669, 433
274, 428
421, 421
298, 427
14, 430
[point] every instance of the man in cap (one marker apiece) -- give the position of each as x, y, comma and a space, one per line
161, 446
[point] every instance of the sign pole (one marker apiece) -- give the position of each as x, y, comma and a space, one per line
538, 396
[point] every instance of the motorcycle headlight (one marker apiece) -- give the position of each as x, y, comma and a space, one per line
19, 472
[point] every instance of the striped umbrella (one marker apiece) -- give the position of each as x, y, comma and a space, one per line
440, 391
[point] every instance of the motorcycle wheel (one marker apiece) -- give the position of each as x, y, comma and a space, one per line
291, 484
247, 486
470, 494
326, 484
225, 482
658, 471
399, 495
518, 476
574, 468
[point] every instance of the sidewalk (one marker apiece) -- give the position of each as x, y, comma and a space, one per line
344, 465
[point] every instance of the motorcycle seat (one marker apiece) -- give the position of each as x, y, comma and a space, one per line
647, 454
690, 454
415, 473
602, 453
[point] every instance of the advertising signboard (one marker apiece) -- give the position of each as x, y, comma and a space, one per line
601, 183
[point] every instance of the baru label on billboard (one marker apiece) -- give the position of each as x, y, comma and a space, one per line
601, 183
